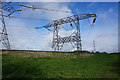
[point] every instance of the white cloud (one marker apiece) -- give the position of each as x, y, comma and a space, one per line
106, 39
107, 16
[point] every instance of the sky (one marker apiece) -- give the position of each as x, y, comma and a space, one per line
24, 36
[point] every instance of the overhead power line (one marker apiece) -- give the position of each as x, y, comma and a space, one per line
24, 17
17, 26
21, 26
33, 7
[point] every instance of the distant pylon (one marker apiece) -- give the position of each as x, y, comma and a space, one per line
3, 31
94, 49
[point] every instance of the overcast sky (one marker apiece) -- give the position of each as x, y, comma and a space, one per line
23, 35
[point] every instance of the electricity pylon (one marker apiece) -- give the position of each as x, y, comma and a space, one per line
94, 48
3, 31
58, 41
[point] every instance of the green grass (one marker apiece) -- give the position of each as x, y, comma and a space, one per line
27, 65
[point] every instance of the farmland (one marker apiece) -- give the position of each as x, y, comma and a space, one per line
42, 64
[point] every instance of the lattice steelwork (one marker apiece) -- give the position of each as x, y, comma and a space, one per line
6, 6
58, 41
3, 32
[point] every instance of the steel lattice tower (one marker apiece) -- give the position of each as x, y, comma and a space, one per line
94, 48
6, 6
3, 31
58, 41
79, 44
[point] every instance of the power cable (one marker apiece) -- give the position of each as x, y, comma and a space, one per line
24, 17
44, 8
18, 26
90, 29
88, 35
32, 18
25, 27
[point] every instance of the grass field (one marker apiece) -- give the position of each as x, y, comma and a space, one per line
30, 64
